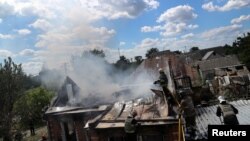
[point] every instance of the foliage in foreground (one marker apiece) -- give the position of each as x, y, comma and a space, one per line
32, 105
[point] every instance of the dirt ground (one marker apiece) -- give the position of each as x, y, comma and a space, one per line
39, 133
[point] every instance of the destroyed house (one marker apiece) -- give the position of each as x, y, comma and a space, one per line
155, 124
106, 122
66, 119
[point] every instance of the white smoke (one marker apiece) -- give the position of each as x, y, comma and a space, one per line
99, 81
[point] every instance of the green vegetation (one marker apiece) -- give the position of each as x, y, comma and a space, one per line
31, 106
11, 82
19, 100
241, 47
151, 51
193, 49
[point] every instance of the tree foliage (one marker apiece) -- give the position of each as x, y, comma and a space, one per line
11, 88
192, 49
151, 51
99, 53
123, 63
241, 47
138, 59
94, 52
32, 105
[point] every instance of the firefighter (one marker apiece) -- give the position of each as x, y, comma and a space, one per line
163, 81
228, 111
131, 126
188, 111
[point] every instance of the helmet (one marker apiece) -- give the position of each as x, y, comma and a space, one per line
160, 70
221, 99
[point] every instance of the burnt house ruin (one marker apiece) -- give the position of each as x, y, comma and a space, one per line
68, 121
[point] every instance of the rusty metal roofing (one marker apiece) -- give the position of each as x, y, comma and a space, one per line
146, 108
150, 112
207, 116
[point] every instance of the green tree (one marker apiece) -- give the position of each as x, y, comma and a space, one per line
11, 88
151, 51
123, 63
192, 49
97, 52
241, 47
138, 59
32, 106
94, 52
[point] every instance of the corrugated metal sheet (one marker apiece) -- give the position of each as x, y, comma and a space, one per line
53, 110
207, 116
221, 62
150, 112
207, 55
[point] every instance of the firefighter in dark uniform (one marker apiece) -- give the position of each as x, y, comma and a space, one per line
188, 111
131, 126
228, 111
163, 81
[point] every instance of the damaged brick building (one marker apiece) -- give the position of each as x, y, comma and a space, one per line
105, 122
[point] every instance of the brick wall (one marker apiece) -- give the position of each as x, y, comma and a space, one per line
54, 129
167, 132
79, 129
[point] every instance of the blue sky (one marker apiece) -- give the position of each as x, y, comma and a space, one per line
35, 32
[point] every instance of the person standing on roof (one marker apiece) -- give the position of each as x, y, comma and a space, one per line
131, 126
163, 81
228, 111
188, 111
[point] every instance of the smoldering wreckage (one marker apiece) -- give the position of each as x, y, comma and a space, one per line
96, 119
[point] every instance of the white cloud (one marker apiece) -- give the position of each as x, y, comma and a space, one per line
230, 5
32, 67
151, 29
148, 43
186, 36
152, 4
181, 13
23, 31
41, 24
241, 19
122, 43
6, 36
175, 21
1, 20
5, 53
5, 9
111, 9
171, 29
94, 9
126, 8
67, 27
221, 32
27, 52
